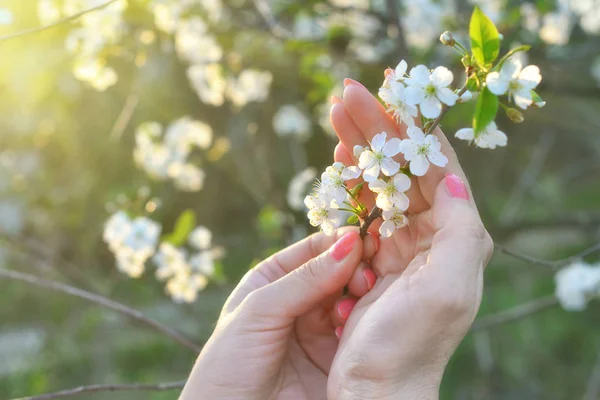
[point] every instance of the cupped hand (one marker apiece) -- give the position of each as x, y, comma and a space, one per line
400, 335
275, 338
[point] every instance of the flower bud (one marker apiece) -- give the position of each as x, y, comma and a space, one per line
447, 39
358, 150
465, 97
338, 166
515, 115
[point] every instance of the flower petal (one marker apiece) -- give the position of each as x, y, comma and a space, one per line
372, 173
402, 182
419, 165
438, 158
447, 96
384, 202
378, 141
401, 69
496, 84
511, 68
408, 148
366, 159
530, 77
465, 134
432, 142
419, 75
431, 107
351, 173
441, 77
377, 186
389, 167
523, 99
413, 95
392, 147
401, 201
415, 134
387, 229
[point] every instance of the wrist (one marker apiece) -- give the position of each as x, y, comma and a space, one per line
416, 387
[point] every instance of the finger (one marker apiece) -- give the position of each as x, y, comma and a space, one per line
370, 246
342, 310
305, 287
362, 280
370, 118
282, 263
460, 244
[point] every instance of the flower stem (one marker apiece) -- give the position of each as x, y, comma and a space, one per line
445, 109
373, 215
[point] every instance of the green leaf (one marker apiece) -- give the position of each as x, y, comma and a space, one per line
538, 102
485, 40
472, 84
485, 110
353, 219
185, 224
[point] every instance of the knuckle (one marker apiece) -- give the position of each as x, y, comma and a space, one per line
451, 304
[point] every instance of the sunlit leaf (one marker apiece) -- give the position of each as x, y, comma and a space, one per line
184, 225
485, 40
485, 110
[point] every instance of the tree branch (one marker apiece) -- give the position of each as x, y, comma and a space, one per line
373, 215
265, 12
554, 264
514, 314
103, 301
59, 22
107, 388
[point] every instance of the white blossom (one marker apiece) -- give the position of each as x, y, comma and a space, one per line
116, 228
290, 121
557, 27
357, 150
143, 235
194, 43
131, 262
298, 188
391, 194
203, 262
184, 133
423, 20
169, 260
392, 219
184, 287
200, 238
186, 176
515, 80
208, 83
421, 150
332, 186
429, 91
576, 285
465, 97
321, 213
393, 93
488, 138
250, 86
94, 72
379, 157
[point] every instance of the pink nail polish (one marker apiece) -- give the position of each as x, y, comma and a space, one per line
370, 277
343, 246
456, 187
345, 307
349, 81
338, 331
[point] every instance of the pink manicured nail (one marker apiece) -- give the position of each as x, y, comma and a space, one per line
335, 100
456, 187
370, 277
343, 246
349, 81
338, 331
345, 307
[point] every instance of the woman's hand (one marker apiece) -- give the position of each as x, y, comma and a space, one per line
275, 337
399, 337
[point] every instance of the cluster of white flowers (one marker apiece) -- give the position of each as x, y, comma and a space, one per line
383, 176
577, 284
163, 157
134, 242
515, 81
98, 30
290, 121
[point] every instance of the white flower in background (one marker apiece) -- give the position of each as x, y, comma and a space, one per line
185, 132
421, 150
489, 138
530, 17
184, 287
167, 14
429, 91
142, 238
392, 219
391, 194
201, 238
6, 16
208, 83
203, 262
169, 261
195, 44
590, 19
48, 11
576, 285
116, 228
156, 159
423, 20
515, 80
250, 86
557, 27
379, 157
595, 70
299, 187
333, 182
131, 262
94, 72
320, 213
291, 121
393, 93
187, 177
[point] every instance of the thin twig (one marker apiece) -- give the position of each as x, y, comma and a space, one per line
265, 11
373, 215
103, 301
548, 263
108, 388
514, 314
52, 25
124, 117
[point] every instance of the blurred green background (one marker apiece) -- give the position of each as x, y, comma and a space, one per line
66, 165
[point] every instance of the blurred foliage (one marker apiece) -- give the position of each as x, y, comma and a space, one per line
65, 165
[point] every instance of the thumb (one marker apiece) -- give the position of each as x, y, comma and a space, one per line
302, 289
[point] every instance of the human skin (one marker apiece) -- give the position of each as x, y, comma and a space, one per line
275, 338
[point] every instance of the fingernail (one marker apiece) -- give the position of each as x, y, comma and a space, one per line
349, 81
345, 307
370, 277
338, 331
456, 187
343, 246
335, 100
